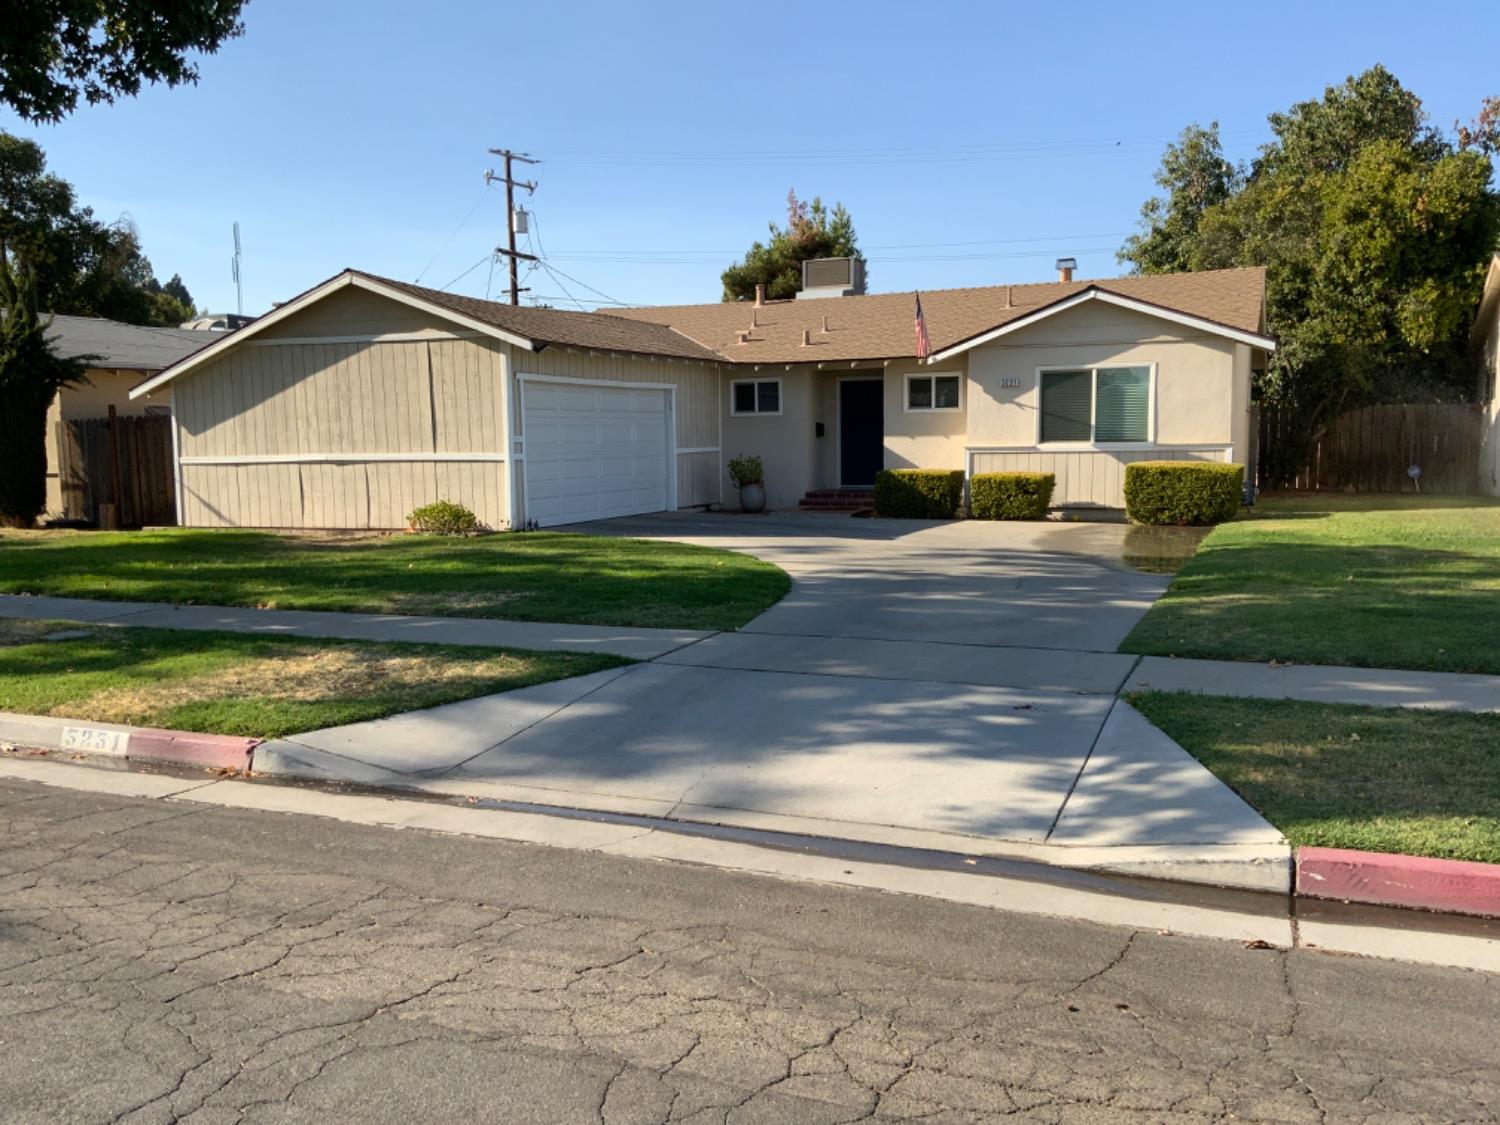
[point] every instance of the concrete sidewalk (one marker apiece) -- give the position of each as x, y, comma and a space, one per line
1314, 683
637, 644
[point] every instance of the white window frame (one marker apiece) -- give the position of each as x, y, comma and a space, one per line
757, 412
931, 376
1093, 369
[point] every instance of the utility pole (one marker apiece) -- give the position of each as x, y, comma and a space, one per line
511, 184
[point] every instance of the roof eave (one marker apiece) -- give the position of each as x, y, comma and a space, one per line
317, 293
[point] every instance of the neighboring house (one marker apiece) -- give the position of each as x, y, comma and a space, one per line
120, 356
1486, 337
362, 398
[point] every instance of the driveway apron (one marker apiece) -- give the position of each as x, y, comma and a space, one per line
942, 679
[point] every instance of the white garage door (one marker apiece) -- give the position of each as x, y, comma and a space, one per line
594, 450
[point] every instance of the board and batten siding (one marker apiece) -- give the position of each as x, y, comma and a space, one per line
295, 433
699, 457
1092, 478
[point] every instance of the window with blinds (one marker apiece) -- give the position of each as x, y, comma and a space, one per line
1122, 402
1096, 405
1067, 405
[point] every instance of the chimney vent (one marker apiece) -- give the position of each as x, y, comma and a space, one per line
1065, 268
760, 295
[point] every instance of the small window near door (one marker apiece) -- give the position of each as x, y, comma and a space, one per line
932, 392
755, 396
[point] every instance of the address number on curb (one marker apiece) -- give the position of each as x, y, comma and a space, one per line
91, 740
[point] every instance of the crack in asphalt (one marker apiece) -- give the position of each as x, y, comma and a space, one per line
189, 985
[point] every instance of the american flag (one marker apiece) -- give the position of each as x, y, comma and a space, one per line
924, 345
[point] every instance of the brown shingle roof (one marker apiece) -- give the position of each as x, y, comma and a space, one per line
598, 331
881, 326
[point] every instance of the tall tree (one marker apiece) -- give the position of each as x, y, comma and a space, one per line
78, 264
811, 231
30, 377
54, 51
1374, 230
1195, 176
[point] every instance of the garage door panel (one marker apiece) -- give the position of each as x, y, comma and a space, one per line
594, 451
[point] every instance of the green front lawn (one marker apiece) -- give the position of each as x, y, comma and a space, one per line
533, 576
1372, 779
256, 686
1373, 581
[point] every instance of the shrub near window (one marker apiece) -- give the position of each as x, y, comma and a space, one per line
919, 494
1010, 496
443, 517
1182, 492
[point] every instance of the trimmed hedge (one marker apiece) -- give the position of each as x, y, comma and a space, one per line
919, 494
1183, 492
1010, 496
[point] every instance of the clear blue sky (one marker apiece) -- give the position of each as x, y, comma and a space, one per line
974, 143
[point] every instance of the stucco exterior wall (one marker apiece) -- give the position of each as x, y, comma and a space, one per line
1197, 385
924, 439
784, 442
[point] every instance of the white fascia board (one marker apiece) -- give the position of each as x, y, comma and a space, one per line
296, 305
1146, 307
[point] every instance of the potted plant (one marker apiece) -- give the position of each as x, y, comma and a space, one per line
749, 476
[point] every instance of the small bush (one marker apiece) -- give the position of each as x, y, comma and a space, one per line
919, 494
1183, 492
443, 517
1010, 496
746, 470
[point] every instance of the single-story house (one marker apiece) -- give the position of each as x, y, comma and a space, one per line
364, 397
1486, 338
120, 356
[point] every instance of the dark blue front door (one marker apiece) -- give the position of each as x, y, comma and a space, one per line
861, 431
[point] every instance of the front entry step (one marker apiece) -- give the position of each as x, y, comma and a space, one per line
838, 500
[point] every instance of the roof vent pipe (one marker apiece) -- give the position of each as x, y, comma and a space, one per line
760, 295
806, 337
1065, 268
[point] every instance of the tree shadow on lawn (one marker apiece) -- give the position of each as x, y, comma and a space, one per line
1379, 606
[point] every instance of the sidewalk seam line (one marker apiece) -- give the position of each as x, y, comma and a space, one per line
1088, 757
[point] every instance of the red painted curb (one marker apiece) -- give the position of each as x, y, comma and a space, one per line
1455, 886
185, 748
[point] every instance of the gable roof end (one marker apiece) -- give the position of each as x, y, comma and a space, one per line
1095, 293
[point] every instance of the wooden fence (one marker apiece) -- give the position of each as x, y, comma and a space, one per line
1373, 449
125, 461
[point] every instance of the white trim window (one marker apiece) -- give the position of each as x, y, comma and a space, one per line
749, 397
928, 394
1096, 406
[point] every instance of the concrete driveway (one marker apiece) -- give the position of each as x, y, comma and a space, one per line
946, 685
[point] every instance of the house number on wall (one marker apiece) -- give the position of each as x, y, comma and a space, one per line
1010, 382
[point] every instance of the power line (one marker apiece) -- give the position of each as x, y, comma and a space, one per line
466, 273
469, 215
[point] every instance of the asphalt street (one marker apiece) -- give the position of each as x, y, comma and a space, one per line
164, 961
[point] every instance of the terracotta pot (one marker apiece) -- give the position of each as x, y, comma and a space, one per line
753, 497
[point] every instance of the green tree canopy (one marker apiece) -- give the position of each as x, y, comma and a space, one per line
54, 51
1374, 230
811, 231
77, 264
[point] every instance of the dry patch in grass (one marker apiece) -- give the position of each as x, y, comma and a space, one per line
297, 676
16, 631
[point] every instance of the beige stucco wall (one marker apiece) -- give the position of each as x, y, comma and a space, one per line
784, 442
924, 439
1198, 386
88, 400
